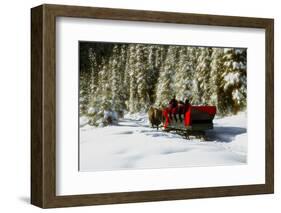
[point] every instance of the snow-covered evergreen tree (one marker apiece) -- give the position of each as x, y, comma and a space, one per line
216, 78
203, 74
94, 70
165, 86
142, 74
194, 53
84, 93
116, 79
184, 74
133, 94
153, 67
101, 100
234, 79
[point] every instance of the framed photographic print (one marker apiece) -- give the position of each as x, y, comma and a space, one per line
136, 106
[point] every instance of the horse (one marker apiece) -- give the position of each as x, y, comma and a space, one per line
155, 116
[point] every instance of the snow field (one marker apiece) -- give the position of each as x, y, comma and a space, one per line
132, 144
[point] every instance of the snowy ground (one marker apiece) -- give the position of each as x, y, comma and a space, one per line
134, 145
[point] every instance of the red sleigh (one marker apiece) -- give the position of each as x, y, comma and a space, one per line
196, 119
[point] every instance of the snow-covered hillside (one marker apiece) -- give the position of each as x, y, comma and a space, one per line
132, 144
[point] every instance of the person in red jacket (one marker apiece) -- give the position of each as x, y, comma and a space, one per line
186, 105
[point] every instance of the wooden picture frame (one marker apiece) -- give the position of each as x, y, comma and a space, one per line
43, 105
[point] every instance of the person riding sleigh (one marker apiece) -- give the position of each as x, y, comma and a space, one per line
179, 108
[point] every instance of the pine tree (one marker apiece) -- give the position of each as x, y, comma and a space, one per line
133, 94
124, 92
115, 79
102, 98
196, 93
127, 78
184, 74
88, 76
84, 92
141, 69
203, 74
217, 93
93, 70
234, 79
165, 90
153, 67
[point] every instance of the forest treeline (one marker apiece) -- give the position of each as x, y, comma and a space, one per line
122, 78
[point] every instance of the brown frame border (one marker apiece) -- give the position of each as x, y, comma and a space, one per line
43, 105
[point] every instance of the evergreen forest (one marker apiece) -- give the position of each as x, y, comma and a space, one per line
129, 78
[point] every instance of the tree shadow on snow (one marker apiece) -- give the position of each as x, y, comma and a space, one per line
224, 134
127, 122
132, 125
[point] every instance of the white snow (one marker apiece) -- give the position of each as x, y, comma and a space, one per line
132, 144
235, 65
226, 50
237, 95
92, 110
239, 65
231, 79
83, 121
238, 51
